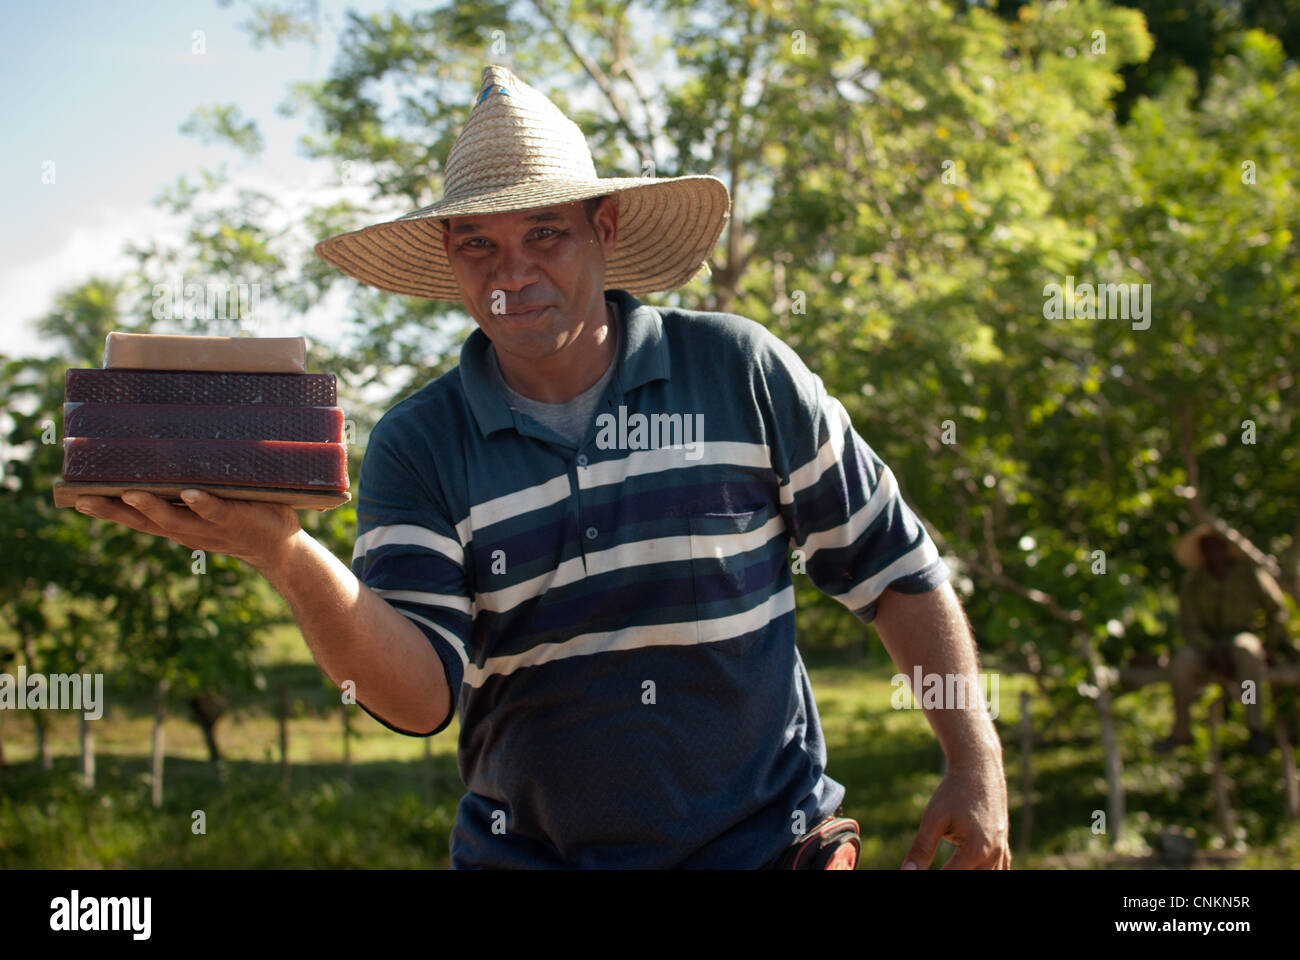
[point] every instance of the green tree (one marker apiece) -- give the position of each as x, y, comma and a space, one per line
89, 593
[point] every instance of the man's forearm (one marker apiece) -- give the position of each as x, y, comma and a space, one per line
354, 634
929, 630
969, 808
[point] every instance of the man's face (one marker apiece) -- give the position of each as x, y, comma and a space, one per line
533, 279
1215, 551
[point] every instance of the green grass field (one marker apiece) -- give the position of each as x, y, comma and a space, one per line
394, 808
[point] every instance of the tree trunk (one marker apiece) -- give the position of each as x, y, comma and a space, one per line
87, 753
160, 715
38, 716
207, 708
1290, 786
1289, 564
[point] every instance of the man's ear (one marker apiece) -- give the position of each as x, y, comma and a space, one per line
604, 223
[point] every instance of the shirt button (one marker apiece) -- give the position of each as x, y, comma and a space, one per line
591, 533
582, 459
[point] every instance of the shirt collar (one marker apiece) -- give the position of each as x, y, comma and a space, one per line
643, 357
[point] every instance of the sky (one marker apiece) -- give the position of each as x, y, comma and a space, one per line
95, 93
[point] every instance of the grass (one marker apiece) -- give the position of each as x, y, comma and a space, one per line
890, 764
395, 809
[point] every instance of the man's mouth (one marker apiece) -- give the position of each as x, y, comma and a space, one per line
524, 316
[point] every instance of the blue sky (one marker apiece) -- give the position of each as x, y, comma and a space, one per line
101, 89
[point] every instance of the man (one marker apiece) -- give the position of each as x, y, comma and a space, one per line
1224, 597
580, 537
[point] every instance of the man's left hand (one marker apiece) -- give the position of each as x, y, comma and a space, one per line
968, 809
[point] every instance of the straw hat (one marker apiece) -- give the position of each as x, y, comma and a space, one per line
1188, 549
517, 151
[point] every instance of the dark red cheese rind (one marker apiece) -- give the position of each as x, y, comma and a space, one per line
183, 421
209, 389
254, 463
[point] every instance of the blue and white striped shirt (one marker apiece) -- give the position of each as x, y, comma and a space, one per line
617, 620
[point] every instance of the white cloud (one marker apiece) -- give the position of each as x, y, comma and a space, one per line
95, 246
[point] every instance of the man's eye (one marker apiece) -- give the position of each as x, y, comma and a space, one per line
540, 234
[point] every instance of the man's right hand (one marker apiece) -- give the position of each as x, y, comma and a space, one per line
258, 533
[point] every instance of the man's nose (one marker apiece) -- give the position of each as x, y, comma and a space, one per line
513, 268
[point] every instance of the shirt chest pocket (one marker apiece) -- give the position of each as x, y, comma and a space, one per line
736, 568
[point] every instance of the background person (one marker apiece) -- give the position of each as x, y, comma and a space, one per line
1226, 604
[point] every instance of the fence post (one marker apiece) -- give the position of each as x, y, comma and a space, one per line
159, 741
1221, 805
1026, 773
347, 744
428, 768
38, 716
1109, 742
283, 711
87, 753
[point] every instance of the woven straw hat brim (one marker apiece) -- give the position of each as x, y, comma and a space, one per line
667, 230
1187, 550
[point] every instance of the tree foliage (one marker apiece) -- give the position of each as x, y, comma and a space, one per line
908, 180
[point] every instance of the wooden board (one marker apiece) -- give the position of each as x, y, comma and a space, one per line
66, 494
1133, 677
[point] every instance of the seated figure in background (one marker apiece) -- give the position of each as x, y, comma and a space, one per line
1225, 604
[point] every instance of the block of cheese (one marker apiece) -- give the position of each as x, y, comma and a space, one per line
152, 351
184, 421
238, 417
256, 463
211, 389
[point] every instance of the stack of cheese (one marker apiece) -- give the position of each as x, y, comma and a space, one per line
237, 416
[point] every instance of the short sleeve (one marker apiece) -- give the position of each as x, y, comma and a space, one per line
841, 504
408, 551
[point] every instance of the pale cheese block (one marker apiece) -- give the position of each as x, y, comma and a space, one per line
155, 351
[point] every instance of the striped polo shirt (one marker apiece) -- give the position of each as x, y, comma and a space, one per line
616, 620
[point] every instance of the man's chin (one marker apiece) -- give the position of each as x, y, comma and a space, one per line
520, 346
